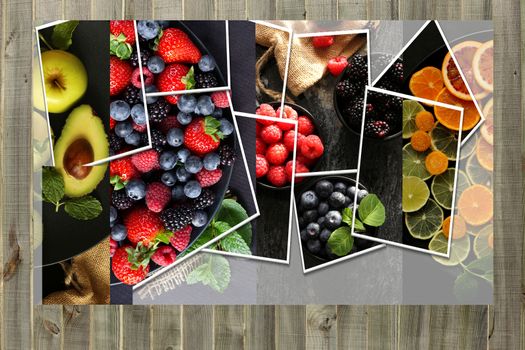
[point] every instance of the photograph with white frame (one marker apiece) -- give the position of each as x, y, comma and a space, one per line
452, 208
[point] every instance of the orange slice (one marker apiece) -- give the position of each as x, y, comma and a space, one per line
425, 121
436, 162
487, 129
451, 118
459, 229
420, 141
483, 65
485, 154
426, 83
475, 205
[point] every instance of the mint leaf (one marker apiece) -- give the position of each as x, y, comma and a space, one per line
164, 237
372, 211
204, 238
233, 213
215, 273
52, 185
220, 227
62, 34
189, 79
341, 241
347, 219
83, 208
234, 243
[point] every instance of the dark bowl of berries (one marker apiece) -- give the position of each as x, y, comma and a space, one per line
323, 207
383, 112
274, 145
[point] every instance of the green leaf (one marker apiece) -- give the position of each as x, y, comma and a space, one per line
465, 286
341, 241
155, 43
233, 213
347, 219
481, 265
164, 237
62, 34
52, 185
215, 273
372, 211
189, 79
204, 238
220, 227
83, 208
234, 243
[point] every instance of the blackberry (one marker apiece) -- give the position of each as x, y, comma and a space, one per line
358, 68
387, 84
345, 89
204, 80
158, 140
159, 110
392, 118
393, 104
396, 72
132, 95
227, 155
120, 200
176, 218
377, 128
205, 200
354, 113
134, 58
115, 142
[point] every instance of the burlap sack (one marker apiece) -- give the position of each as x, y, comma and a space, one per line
307, 64
86, 278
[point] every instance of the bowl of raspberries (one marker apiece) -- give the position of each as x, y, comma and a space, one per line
383, 112
274, 145
164, 197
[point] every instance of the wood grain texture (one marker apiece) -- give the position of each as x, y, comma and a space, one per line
260, 327
197, 327
352, 327
199, 9
105, 327
136, 326
76, 323
290, 327
321, 327
166, 323
382, 327
228, 324
321, 9
47, 325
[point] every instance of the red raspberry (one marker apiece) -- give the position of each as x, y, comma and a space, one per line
302, 159
208, 178
158, 196
260, 146
146, 161
288, 113
337, 65
220, 99
299, 168
258, 129
139, 128
181, 238
277, 154
277, 176
305, 126
289, 140
168, 123
312, 147
112, 123
271, 134
113, 245
261, 166
266, 110
322, 41
135, 77
164, 255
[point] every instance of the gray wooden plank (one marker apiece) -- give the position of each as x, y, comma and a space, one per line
413, 9
76, 321
321, 9
261, 10
414, 323
103, 9
321, 327
197, 326
231, 9
476, 9
290, 9
167, 9
48, 10
199, 9
473, 326
260, 327
290, 327
352, 327
47, 327
105, 325
166, 327
136, 324
377, 9
138, 9
77, 10
351, 9
228, 327
382, 327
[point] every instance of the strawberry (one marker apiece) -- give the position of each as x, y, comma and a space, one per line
220, 99
271, 134
164, 256
337, 65
299, 168
202, 135
276, 154
208, 178
175, 46
168, 123
261, 166
277, 176
143, 225
289, 140
322, 41
121, 171
288, 113
119, 75
305, 125
123, 27
112, 123
260, 146
312, 147
130, 265
146, 161
181, 238
174, 78
158, 196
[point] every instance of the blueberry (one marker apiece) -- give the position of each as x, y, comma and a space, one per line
324, 188
169, 178
325, 235
156, 64
350, 191
175, 137
113, 214
177, 192
226, 127
184, 118
211, 161
336, 200
119, 232
136, 189
182, 155
182, 175
186, 103
361, 194
321, 220
119, 110
138, 114
309, 200
348, 201
206, 63
192, 189
310, 216
333, 219
123, 129
199, 218
148, 29
304, 236
340, 187
313, 229
193, 164
314, 246
204, 106
133, 138
167, 160
217, 113
323, 208
150, 99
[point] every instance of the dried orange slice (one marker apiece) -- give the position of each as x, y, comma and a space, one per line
425, 121
436, 162
475, 205
459, 229
426, 83
487, 129
451, 118
483, 65
420, 141
485, 154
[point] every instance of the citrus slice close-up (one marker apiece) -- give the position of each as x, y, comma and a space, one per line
476, 173
410, 109
475, 205
444, 140
487, 129
426, 83
481, 242
483, 65
442, 187
459, 249
425, 222
414, 163
485, 154
451, 118
415, 193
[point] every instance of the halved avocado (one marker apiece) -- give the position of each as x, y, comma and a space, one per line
83, 140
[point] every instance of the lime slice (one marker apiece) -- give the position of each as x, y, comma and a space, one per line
424, 223
481, 243
468, 147
443, 186
410, 109
444, 140
415, 193
414, 163
459, 249
476, 173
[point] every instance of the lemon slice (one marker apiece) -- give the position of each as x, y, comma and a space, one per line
443, 186
424, 223
444, 140
415, 193
459, 249
414, 163
410, 109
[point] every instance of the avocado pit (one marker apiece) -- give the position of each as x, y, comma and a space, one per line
78, 153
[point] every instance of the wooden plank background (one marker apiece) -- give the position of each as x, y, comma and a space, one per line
23, 326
